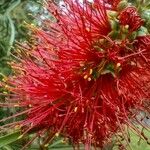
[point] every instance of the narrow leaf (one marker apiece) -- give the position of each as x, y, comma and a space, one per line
9, 138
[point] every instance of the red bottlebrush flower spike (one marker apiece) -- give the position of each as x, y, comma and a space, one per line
85, 78
129, 16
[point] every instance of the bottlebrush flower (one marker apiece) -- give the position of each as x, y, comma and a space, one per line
130, 17
86, 77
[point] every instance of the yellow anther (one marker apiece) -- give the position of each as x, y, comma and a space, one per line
16, 105
91, 71
57, 134
46, 145
89, 79
6, 86
64, 142
30, 14
4, 92
20, 137
85, 77
17, 126
32, 24
88, 29
118, 65
25, 22
4, 79
75, 109
30, 105
126, 26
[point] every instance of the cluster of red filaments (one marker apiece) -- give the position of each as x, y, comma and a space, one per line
130, 17
83, 81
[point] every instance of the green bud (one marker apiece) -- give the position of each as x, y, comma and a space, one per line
114, 34
112, 14
142, 31
148, 26
146, 15
123, 4
133, 35
114, 24
146, 3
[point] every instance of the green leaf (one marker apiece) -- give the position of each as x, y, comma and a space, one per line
7, 147
136, 143
9, 138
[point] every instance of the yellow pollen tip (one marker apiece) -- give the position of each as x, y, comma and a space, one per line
30, 105
57, 134
64, 141
88, 29
4, 92
126, 26
91, 71
16, 105
85, 77
75, 109
20, 137
46, 145
4, 79
17, 127
6, 86
89, 79
118, 65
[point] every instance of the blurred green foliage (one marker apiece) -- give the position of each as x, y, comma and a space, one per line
13, 15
